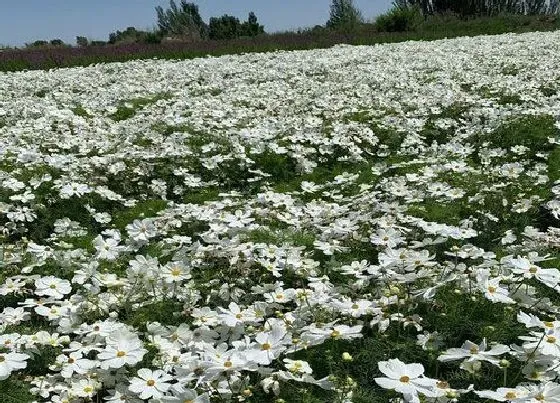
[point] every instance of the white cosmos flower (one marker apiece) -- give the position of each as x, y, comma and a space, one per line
122, 348
10, 362
407, 379
474, 352
150, 384
526, 268
52, 287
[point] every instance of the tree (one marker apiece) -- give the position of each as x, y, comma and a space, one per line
224, 27
57, 42
251, 27
467, 8
344, 14
82, 41
183, 20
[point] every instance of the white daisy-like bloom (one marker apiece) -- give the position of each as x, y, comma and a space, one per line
150, 384
52, 287
122, 348
10, 362
407, 379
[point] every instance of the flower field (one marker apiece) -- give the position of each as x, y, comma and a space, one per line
355, 224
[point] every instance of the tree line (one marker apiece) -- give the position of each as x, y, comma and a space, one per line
469, 8
182, 21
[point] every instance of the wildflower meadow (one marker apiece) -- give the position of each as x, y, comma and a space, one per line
363, 224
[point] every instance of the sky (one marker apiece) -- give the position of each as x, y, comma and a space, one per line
24, 21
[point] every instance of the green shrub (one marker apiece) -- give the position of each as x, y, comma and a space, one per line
398, 20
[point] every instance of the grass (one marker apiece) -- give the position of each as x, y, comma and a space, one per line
529, 131
128, 109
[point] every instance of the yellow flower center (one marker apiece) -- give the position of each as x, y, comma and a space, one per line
150, 382
548, 324
266, 347
121, 353
228, 364
511, 395
491, 289
404, 379
539, 397
71, 360
176, 272
474, 350
355, 306
533, 269
551, 339
238, 316
442, 385
88, 389
335, 334
52, 286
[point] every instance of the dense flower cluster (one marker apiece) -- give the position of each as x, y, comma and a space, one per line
192, 231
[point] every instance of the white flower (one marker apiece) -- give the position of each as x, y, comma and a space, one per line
13, 316
74, 363
474, 352
150, 384
122, 348
526, 268
186, 396
404, 378
85, 388
175, 272
52, 286
10, 362
505, 394
297, 366
492, 290
107, 249
142, 230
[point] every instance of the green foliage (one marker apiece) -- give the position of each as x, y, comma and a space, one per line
448, 213
80, 111
229, 27
466, 8
344, 15
15, 391
165, 312
143, 209
548, 90
399, 20
530, 131
82, 41
128, 109
224, 27
183, 20
554, 164
133, 35
281, 167
251, 27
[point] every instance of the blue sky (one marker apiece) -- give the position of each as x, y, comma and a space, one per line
23, 21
